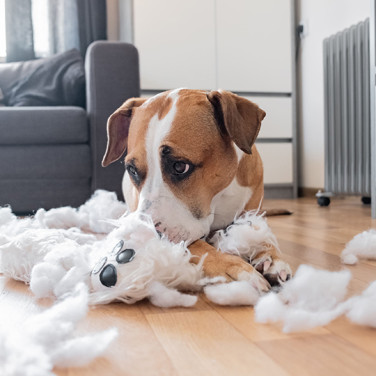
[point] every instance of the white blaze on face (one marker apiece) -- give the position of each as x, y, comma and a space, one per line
170, 215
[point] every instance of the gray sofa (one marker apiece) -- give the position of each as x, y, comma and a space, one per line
51, 156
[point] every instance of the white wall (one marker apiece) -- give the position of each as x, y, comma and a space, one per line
323, 18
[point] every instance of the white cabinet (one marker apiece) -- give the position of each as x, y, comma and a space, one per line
277, 160
254, 45
278, 121
176, 43
245, 46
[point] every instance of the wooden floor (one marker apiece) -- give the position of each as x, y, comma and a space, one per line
214, 340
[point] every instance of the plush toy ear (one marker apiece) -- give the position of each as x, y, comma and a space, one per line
117, 130
237, 117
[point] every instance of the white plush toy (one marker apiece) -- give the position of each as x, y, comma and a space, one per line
122, 258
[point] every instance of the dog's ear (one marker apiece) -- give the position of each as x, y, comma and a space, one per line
237, 117
117, 130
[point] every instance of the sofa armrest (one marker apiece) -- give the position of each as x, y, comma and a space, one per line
112, 76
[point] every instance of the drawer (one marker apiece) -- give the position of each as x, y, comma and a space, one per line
278, 120
277, 160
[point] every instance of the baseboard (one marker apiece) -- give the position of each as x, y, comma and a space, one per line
278, 191
308, 192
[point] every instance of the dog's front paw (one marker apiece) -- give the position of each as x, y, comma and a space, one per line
229, 267
233, 268
274, 270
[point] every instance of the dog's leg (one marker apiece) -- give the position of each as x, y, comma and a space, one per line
231, 267
271, 266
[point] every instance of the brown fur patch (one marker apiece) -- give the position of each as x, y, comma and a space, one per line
250, 174
165, 108
195, 136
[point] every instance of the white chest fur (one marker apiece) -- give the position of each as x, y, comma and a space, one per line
228, 203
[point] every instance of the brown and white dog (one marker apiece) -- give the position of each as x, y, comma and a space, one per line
192, 165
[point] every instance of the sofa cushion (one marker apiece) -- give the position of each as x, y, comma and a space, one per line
45, 162
28, 195
43, 125
58, 80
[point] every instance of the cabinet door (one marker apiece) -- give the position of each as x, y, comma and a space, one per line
278, 120
277, 160
254, 42
176, 43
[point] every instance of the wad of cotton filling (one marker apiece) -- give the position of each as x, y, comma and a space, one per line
362, 246
47, 340
312, 298
248, 235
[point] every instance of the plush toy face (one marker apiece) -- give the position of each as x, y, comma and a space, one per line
106, 268
137, 258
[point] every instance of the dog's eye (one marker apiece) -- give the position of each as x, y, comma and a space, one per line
135, 174
132, 170
181, 167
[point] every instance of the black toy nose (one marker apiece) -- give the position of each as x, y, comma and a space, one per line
108, 276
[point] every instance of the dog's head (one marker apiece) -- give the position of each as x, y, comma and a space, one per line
181, 151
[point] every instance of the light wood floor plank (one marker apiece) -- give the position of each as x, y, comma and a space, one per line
136, 351
325, 355
362, 337
242, 318
203, 343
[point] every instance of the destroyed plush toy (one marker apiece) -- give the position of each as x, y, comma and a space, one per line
129, 263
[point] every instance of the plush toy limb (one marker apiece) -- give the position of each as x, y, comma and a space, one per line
275, 270
230, 267
250, 237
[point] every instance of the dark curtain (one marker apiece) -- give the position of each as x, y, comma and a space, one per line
71, 24
91, 22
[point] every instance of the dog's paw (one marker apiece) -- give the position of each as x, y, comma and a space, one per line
233, 268
228, 267
274, 270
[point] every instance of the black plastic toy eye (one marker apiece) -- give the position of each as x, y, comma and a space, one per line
125, 256
117, 247
108, 276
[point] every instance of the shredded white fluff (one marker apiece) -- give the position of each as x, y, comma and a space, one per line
166, 297
47, 340
362, 308
247, 236
233, 293
362, 246
315, 298
95, 215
